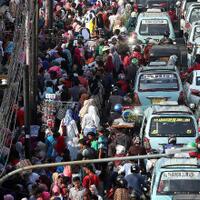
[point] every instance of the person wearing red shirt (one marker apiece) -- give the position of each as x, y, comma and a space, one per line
196, 65
91, 178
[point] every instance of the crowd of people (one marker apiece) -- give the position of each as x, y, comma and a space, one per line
90, 58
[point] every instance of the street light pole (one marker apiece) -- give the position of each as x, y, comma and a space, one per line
34, 68
26, 83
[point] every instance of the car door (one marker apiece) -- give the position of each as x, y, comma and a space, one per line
187, 87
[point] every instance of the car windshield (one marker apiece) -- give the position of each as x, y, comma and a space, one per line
196, 36
159, 4
179, 182
158, 82
195, 15
176, 126
153, 27
198, 80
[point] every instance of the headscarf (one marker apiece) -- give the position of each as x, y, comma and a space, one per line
84, 97
172, 60
85, 107
120, 149
93, 112
45, 195
56, 190
68, 117
94, 188
55, 177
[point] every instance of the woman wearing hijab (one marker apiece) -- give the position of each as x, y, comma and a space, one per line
90, 121
68, 126
83, 97
85, 107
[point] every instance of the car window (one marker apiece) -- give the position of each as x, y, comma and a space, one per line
198, 80
195, 15
158, 82
177, 126
196, 35
181, 182
153, 27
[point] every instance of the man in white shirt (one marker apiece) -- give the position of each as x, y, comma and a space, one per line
76, 192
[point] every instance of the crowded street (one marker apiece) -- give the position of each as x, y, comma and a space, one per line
100, 99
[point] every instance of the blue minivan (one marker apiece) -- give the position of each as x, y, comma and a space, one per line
176, 179
154, 85
163, 121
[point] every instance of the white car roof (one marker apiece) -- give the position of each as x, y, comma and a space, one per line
153, 14
176, 162
167, 109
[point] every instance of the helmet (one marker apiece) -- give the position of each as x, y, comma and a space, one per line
134, 61
172, 140
191, 144
134, 168
166, 33
123, 30
118, 108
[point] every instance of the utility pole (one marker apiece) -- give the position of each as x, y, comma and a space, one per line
26, 82
49, 14
34, 65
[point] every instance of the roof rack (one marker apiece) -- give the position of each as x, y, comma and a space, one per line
183, 162
157, 10
166, 68
174, 109
157, 63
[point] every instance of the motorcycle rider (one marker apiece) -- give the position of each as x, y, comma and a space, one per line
171, 143
166, 39
136, 182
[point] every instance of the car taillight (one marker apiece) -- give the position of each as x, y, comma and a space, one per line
136, 99
195, 92
187, 25
181, 99
147, 144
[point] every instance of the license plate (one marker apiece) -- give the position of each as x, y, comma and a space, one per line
157, 101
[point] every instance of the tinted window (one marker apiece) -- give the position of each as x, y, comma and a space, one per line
158, 82
178, 126
179, 182
153, 27
196, 36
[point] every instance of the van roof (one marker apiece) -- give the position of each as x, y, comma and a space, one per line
179, 162
153, 14
167, 108
160, 68
170, 109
